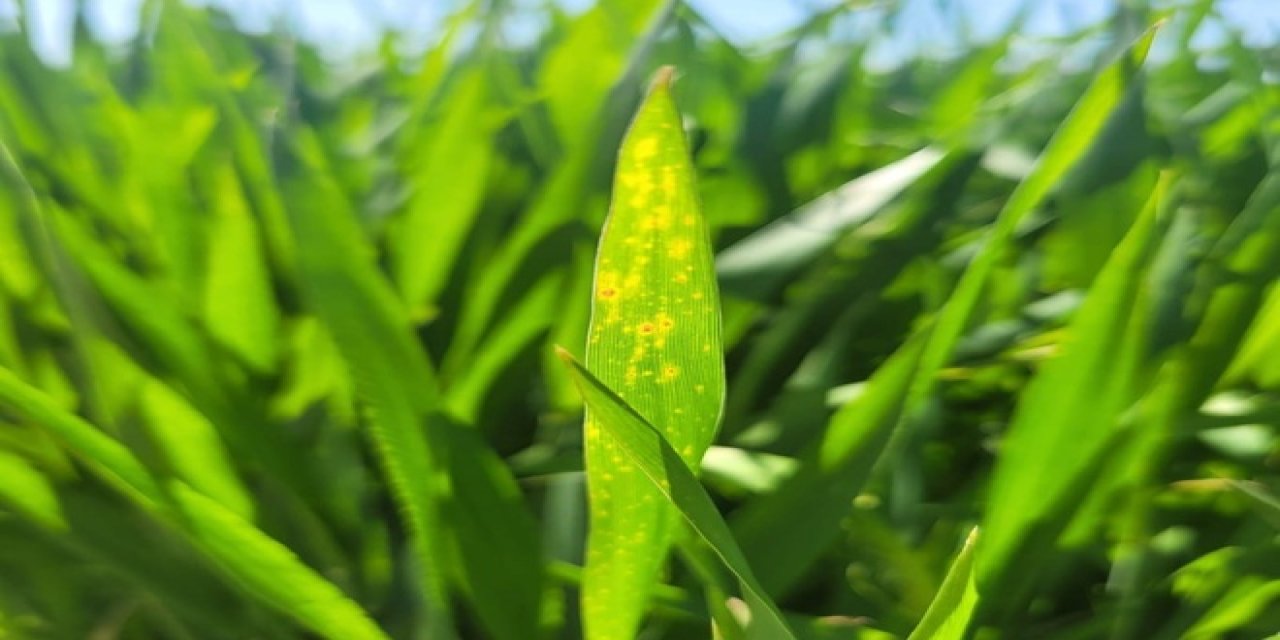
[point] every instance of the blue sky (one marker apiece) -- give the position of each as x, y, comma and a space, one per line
348, 25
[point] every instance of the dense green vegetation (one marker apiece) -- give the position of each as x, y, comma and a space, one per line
998, 333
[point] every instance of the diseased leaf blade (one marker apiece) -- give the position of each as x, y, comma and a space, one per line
660, 465
655, 336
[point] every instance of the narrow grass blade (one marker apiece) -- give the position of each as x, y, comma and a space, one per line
784, 532
191, 445
27, 490
494, 535
249, 558
1070, 412
756, 266
269, 570
100, 452
448, 185
1069, 144
239, 304
655, 336
949, 613
640, 443
395, 379
373, 333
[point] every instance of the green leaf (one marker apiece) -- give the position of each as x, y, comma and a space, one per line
100, 452
374, 335
784, 532
1069, 143
756, 266
1069, 416
192, 447
949, 613
239, 303
640, 443
269, 570
655, 335
28, 491
394, 378
448, 188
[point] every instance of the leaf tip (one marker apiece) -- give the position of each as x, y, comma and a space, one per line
564, 355
662, 78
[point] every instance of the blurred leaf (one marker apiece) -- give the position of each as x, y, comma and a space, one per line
28, 491
756, 266
269, 570
1070, 414
448, 188
393, 377
193, 448
239, 303
1069, 143
101, 453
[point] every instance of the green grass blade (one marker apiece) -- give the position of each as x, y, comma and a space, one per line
394, 377
785, 531
391, 375
26, 490
655, 336
1069, 144
269, 570
494, 535
644, 445
757, 266
1069, 414
250, 559
192, 447
239, 303
448, 190
100, 452
949, 613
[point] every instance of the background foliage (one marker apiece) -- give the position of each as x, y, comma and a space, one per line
276, 332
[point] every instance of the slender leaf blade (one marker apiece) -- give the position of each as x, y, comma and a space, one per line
664, 468
952, 608
655, 335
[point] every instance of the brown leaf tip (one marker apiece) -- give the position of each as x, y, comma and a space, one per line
662, 78
564, 354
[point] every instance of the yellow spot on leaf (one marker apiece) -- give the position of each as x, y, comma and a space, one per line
669, 180
646, 148
679, 248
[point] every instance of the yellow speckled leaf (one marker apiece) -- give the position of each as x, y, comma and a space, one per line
655, 339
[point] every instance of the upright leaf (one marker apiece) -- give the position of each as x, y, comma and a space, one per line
1069, 143
397, 383
654, 336
1070, 413
640, 443
949, 613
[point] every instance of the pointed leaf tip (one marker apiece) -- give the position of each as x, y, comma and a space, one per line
662, 78
564, 354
